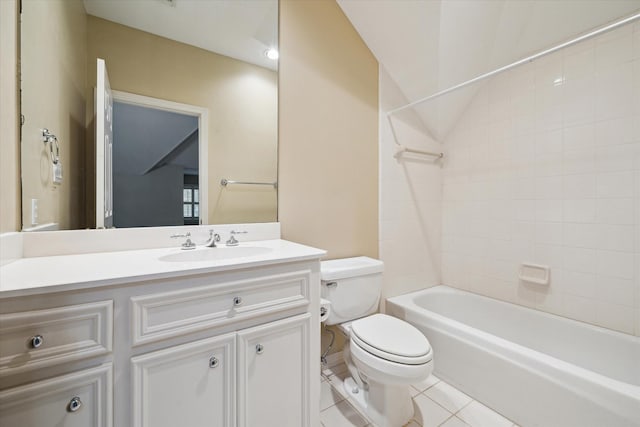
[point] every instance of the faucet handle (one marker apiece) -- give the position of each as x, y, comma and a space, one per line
232, 241
188, 244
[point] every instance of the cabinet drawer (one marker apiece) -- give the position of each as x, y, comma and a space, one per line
43, 338
164, 315
80, 399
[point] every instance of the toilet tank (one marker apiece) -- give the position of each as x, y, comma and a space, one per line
352, 285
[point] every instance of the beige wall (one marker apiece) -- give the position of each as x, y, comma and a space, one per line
328, 133
241, 99
9, 137
53, 97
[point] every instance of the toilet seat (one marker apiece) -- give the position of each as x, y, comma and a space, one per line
391, 339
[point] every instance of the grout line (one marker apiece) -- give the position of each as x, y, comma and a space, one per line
442, 423
446, 409
464, 406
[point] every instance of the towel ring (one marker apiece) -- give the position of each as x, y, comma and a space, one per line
52, 140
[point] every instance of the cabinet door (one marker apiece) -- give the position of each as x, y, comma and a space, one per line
273, 374
191, 385
79, 399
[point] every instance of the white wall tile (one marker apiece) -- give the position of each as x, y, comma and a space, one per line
615, 290
580, 210
616, 264
549, 210
615, 237
579, 161
550, 255
580, 284
580, 260
579, 103
579, 308
563, 188
581, 186
549, 187
615, 211
616, 158
613, 98
579, 65
579, 137
580, 235
549, 233
614, 49
614, 132
615, 316
525, 210
616, 184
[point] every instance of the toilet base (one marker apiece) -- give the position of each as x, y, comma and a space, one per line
384, 405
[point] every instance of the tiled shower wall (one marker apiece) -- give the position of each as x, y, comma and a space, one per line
544, 167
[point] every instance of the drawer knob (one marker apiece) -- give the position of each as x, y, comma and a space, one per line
259, 349
237, 301
37, 341
213, 362
75, 404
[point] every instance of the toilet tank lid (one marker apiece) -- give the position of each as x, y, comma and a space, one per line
336, 269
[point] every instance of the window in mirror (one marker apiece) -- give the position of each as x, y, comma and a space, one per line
190, 203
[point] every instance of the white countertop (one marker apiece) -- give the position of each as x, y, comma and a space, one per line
39, 275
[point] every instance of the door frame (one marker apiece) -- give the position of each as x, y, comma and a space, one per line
203, 136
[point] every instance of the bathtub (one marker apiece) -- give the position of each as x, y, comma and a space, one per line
535, 368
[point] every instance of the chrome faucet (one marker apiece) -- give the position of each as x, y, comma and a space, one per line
188, 244
213, 238
232, 240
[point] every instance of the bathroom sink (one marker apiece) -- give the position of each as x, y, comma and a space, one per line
215, 254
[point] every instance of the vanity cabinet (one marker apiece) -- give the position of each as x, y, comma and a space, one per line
213, 349
227, 380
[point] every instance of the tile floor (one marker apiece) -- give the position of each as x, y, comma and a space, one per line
436, 404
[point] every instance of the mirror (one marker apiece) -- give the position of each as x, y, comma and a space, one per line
203, 67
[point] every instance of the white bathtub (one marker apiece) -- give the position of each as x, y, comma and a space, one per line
535, 368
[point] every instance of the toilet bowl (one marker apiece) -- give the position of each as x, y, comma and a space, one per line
384, 354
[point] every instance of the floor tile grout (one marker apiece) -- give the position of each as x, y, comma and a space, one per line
328, 374
465, 405
445, 421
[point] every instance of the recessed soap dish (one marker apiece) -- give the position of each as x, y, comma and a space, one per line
534, 273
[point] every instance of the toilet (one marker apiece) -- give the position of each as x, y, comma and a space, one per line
384, 354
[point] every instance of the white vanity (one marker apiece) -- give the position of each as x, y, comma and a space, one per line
162, 337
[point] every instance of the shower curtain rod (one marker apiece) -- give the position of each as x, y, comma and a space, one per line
517, 63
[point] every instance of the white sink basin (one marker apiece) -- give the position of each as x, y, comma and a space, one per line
215, 254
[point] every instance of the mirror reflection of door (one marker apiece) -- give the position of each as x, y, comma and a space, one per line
155, 167
104, 148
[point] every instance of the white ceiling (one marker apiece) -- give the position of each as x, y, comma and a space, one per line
241, 29
430, 45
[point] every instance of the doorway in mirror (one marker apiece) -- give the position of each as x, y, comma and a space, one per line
155, 167
159, 162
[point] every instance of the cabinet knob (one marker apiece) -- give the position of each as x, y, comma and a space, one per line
37, 341
75, 404
213, 362
237, 301
259, 349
